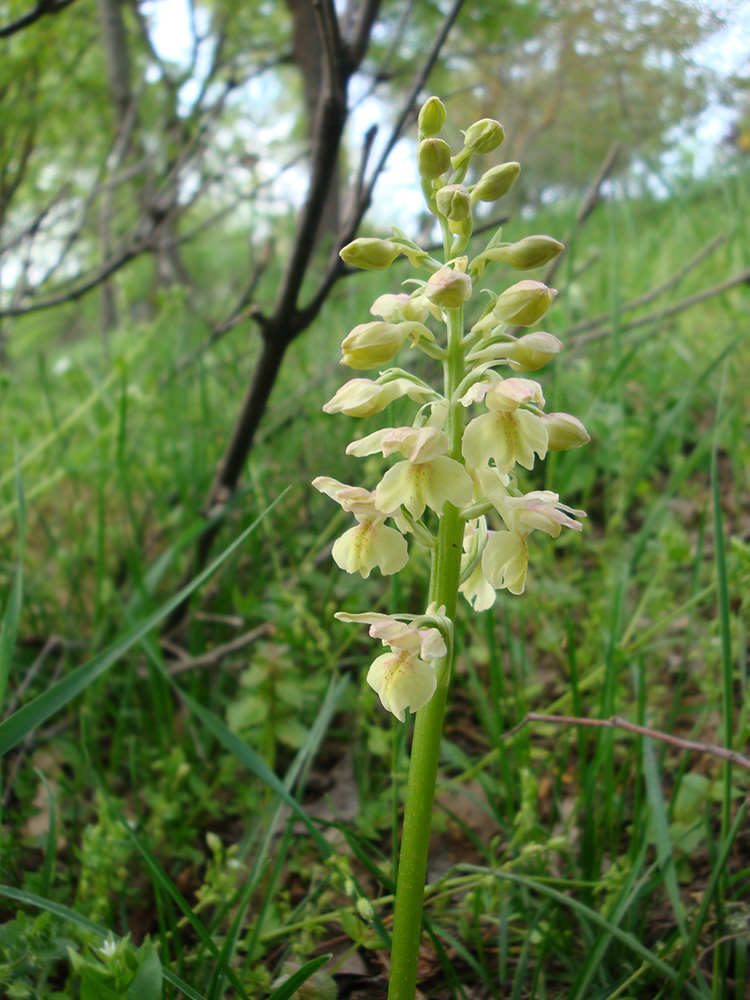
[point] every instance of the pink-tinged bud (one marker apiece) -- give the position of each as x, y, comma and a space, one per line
530, 252
392, 307
565, 431
484, 136
523, 304
454, 203
448, 288
371, 344
431, 117
496, 182
433, 158
370, 254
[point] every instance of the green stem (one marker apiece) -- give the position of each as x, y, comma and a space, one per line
425, 754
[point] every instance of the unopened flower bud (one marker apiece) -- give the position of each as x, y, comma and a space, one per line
370, 254
431, 117
453, 202
214, 843
364, 908
533, 351
433, 158
496, 182
397, 307
484, 136
564, 431
530, 352
523, 304
530, 252
371, 344
448, 288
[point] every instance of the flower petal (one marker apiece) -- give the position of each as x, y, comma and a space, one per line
428, 484
505, 560
539, 510
506, 438
402, 681
477, 590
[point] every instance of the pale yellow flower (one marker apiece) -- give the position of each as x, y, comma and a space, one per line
507, 438
401, 680
368, 544
526, 354
506, 554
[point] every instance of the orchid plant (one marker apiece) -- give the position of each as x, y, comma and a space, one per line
454, 488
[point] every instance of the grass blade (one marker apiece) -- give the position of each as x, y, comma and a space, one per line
717, 872
664, 848
586, 913
290, 986
12, 615
22, 722
165, 882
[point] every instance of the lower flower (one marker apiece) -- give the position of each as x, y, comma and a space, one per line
401, 680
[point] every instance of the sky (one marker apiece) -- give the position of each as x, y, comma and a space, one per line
727, 52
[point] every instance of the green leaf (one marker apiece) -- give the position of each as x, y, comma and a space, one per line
689, 954
165, 882
148, 981
93, 990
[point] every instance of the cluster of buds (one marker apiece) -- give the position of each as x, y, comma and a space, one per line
444, 460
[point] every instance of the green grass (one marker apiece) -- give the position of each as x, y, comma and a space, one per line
207, 808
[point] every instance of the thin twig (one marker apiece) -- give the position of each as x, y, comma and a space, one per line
360, 203
42, 8
653, 293
617, 722
591, 199
52, 643
741, 278
243, 311
218, 653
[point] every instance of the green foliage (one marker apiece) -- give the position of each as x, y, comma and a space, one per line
570, 893
30, 949
114, 971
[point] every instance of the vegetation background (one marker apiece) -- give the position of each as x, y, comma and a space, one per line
200, 794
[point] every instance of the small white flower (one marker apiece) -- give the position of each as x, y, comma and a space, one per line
109, 948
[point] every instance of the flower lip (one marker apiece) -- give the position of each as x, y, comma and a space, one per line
401, 680
369, 544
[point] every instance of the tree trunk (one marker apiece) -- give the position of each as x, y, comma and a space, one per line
168, 268
117, 66
116, 57
308, 54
